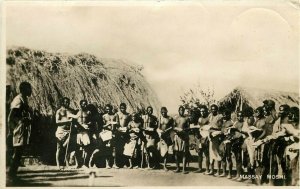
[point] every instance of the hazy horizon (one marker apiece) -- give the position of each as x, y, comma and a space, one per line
221, 46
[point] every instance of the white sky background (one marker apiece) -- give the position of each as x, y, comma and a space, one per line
219, 45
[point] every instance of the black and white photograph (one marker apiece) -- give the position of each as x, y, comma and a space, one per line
150, 93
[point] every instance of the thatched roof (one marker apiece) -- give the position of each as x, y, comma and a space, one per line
81, 76
242, 97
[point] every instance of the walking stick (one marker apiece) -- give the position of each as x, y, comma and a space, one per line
67, 148
271, 161
142, 162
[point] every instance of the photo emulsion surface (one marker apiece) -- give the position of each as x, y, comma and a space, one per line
152, 93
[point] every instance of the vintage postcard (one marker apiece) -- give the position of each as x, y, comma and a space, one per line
150, 93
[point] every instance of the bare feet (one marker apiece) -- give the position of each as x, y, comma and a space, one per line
198, 171
239, 179
209, 173
177, 170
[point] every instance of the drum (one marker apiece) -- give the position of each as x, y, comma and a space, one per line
123, 129
129, 148
150, 142
204, 131
106, 135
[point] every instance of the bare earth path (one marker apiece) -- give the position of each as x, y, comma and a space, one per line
49, 176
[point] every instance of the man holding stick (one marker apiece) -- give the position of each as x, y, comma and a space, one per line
63, 118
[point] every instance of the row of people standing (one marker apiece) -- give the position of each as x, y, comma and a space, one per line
262, 142
252, 138
140, 139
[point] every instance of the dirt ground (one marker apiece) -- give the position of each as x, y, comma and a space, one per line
49, 176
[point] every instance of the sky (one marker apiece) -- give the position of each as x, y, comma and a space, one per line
218, 45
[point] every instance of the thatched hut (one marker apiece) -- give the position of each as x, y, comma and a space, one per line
81, 76
241, 98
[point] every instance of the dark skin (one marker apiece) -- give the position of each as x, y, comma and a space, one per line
164, 121
203, 115
181, 122
83, 115
15, 112
266, 111
109, 118
283, 112
219, 124
294, 117
123, 116
62, 120
134, 126
16, 115
214, 110
84, 120
237, 154
149, 111
226, 118
240, 117
150, 125
260, 115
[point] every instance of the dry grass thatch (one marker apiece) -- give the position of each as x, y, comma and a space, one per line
241, 98
78, 77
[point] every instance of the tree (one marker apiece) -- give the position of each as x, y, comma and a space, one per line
194, 98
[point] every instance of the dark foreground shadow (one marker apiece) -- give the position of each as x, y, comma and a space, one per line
37, 178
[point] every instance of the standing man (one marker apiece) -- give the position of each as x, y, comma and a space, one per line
123, 116
63, 118
164, 127
122, 134
110, 120
214, 116
19, 124
85, 131
237, 142
261, 151
181, 139
215, 138
293, 129
133, 146
270, 112
226, 144
150, 126
202, 139
277, 147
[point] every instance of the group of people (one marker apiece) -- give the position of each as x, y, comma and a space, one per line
261, 140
